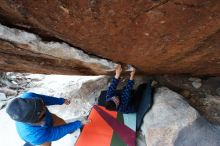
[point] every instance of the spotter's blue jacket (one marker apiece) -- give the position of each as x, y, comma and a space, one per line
39, 134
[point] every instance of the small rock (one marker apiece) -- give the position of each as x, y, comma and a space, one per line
13, 77
154, 83
196, 85
186, 86
28, 80
2, 104
2, 96
14, 82
8, 73
185, 93
218, 91
8, 92
195, 79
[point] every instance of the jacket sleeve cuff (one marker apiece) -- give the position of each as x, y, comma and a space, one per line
116, 80
61, 101
131, 81
78, 124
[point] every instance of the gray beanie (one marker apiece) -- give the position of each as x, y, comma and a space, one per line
25, 110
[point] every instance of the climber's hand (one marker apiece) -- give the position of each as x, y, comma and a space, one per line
132, 74
118, 71
66, 101
85, 121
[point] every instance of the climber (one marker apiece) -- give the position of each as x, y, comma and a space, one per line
120, 103
34, 122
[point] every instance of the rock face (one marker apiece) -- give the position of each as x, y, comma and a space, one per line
205, 99
156, 36
31, 54
173, 122
82, 91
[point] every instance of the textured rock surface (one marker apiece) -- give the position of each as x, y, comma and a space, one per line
156, 36
31, 54
204, 99
3, 96
173, 122
82, 91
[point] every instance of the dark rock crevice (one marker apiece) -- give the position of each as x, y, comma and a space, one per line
163, 2
194, 6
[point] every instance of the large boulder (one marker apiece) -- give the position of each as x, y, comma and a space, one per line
173, 122
156, 36
82, 91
